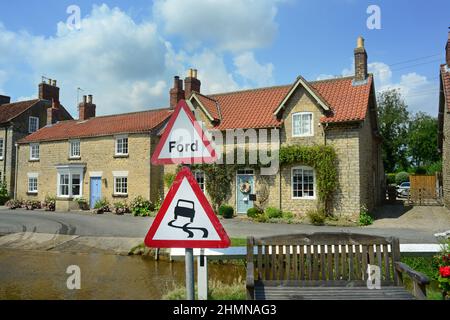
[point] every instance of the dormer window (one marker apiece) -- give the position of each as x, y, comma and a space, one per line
33, 124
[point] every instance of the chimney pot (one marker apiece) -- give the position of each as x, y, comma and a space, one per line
50, 81
84, 99
89, 100
360, 42
54, 83
447, 51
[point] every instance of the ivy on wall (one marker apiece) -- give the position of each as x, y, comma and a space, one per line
219, 177
323, 159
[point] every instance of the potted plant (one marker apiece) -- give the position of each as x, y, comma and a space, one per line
443, 264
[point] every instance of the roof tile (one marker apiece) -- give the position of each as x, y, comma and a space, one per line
101, 126
9, 111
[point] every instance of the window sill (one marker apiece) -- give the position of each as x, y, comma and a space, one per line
306, 136
304, 198
74, 158
32, 193
119, 156
120, 195
34, 160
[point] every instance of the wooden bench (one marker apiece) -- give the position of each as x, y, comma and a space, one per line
327, 266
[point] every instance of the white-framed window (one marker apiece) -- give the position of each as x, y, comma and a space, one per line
34, 151
1, 148
76, 185
33, 124
121, 185
32, 184
200, 178
75, 150
302, 124
121, 145
70, 181
303, 183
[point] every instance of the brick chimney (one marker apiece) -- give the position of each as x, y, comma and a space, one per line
53, 113
49, 91
177, 92
447, 51
4, 99
86, 109
191, 83
360, 61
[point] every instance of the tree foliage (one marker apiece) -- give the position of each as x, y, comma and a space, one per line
393, 120
423, 140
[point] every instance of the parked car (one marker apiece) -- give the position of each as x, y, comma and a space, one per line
403, 189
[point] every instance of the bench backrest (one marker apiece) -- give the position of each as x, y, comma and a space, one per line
322, 257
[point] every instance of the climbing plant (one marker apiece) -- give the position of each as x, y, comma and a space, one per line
323, 159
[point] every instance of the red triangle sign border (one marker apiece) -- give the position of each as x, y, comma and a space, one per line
224, 241
189, 160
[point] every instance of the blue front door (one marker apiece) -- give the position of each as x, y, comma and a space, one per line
96, 190
244, 187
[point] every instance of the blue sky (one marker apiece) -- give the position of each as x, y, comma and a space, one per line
126, 53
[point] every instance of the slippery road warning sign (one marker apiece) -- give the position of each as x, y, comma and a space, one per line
186, 219
183, 140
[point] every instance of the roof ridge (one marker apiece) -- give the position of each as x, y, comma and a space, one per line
23, 101
248, 90
129, 113
332, 79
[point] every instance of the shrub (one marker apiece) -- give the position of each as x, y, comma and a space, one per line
13, 204
168, 179
287, 215
49, 203
273, 213
390, 178
401, 177
102, 206
31, 205
120, 208
434, 167
141, 207
317, 217
82, 203
420, 170
4, 196
365, 218
253, 212
442, 263
262, 218
226, 211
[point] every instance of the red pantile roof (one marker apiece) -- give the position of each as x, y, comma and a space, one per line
101, 126
445, 74
255, 108
250, 108
11, 110
211, 105
348, 102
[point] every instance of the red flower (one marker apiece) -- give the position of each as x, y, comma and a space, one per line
445, 271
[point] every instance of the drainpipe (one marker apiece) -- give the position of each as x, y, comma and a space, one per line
16, 171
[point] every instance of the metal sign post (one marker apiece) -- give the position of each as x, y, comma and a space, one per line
185, 219
189, 262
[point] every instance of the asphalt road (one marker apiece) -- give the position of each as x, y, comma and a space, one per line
110, 225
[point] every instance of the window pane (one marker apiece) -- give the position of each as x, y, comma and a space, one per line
302, 183
121, 185
76, 185
200, 178
122, 146
75, 149
1, 148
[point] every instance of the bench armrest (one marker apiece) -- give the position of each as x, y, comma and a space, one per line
250, 283
413, 274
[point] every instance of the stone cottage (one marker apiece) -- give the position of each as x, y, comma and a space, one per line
93, 157
20, 119
338, 112
444, 123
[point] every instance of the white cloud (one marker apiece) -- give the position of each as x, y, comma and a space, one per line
228, 24
252, 71
129, 66
212, 72
419, 93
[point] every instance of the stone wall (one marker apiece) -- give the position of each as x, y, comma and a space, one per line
446, 159
98, 156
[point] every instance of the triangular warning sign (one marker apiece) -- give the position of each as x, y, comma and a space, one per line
183, 140
186, 219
